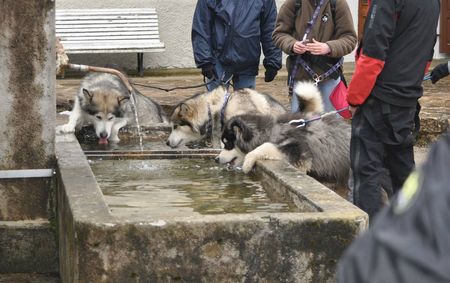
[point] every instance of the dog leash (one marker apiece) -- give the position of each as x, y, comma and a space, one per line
226, 84
300, 123
174, 88
209, 125
180, 87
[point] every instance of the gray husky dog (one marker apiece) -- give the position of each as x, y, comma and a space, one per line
104, 102
200, 115
321, 148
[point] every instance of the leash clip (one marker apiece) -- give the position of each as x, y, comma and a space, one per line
226, 82
304, 38
300, 123
317, 79
427, 77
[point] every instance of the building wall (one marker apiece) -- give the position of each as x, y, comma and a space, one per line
175, 19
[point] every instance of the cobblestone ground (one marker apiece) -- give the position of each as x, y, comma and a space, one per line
434, 115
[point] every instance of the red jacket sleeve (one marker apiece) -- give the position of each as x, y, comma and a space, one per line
378, 32
366, 72
427, 67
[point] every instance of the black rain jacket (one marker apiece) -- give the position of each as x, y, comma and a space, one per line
409, 241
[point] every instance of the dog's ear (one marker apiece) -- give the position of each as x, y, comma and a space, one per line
122, 99
184, 110
239, 128
87, 94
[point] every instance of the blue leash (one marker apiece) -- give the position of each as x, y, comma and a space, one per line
427, 77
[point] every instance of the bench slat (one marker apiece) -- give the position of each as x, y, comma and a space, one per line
75, 22
123, 50
106, 17
106, 11
89, 39
127, 26
108, 33
104, 29
137, 43
114, 47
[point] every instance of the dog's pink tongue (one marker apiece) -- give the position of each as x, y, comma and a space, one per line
103, 141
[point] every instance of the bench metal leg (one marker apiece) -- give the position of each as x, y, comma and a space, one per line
140, 61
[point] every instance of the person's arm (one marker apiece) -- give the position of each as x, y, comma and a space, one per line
377, 35
272, 54
344, 30
201, 34
284, 26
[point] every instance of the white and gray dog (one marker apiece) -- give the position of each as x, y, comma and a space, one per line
320, 148
199, 115
103, 101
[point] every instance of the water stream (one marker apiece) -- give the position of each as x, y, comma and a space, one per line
136, 118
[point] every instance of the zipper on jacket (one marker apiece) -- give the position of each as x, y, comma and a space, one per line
232, 23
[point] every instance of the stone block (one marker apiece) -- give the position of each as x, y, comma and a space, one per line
24, 199
28, 247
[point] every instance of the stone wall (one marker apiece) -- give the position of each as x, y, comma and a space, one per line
27, 108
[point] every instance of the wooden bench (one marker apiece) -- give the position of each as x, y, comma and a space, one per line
109, 31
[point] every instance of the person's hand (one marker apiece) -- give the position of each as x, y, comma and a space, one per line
318, 48
439, 72
299, 47
270, 74
352, 110
209, 71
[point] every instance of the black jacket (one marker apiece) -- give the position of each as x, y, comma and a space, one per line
409, 241
398, 41
234, 32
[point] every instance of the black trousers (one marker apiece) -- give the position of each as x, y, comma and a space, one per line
382, 138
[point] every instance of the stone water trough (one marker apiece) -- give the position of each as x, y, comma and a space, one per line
96, 245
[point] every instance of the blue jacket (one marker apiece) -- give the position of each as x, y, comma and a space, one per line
233, 31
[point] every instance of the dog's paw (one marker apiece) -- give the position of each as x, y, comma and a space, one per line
65, 129
249, 162
114, 139
68, 113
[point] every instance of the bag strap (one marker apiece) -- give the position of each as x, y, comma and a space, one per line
309, 26
298, 8
299, 61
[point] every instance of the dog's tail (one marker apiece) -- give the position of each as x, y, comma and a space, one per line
309, 95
